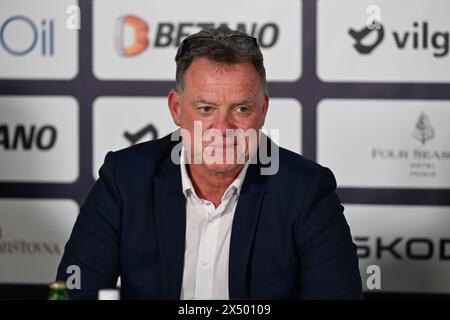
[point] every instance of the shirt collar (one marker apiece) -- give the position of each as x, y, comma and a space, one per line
186, 182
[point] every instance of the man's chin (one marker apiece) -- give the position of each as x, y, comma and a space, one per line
222, 168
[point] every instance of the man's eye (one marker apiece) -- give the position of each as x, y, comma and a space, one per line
242, 109
205, 109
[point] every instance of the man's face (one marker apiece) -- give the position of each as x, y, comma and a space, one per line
219, 98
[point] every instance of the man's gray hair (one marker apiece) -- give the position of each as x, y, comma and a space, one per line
218, 51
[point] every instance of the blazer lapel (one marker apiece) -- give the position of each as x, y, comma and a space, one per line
170, 213
243, 231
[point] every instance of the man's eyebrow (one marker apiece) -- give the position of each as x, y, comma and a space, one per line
199, 100
202, 101
244, 101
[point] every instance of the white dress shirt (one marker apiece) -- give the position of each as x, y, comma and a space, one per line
207, 246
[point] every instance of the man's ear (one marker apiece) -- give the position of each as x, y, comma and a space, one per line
173, 101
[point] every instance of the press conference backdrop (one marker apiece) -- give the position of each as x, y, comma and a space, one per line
360, 86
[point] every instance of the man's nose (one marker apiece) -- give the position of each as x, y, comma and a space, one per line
223, 122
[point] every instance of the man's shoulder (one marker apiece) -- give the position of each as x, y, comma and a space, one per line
144, 155
293, 164
296, 170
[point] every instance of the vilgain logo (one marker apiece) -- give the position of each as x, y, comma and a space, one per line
424, 130
359, 36
420, 37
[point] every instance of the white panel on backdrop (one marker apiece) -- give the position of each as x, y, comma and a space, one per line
410, 244
39, 139
385, 143
35, 42
410, 41
285, 115
137, 40
32, 238
120, 122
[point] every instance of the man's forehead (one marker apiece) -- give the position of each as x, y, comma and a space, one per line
203, 66
205, 79
207, 75
234, 90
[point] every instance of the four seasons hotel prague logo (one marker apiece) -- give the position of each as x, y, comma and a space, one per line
424, 131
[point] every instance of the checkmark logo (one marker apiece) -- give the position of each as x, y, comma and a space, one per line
133, 138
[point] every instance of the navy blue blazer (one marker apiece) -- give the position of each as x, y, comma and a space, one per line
289, 236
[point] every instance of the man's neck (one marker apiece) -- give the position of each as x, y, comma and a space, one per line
211, 186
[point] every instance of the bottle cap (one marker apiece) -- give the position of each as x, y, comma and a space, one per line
57, 285
108, 294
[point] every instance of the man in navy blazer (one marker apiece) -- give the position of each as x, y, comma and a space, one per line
173, 225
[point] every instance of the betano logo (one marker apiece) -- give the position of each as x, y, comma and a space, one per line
21, 137
139, 30
132, 33
420, 38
